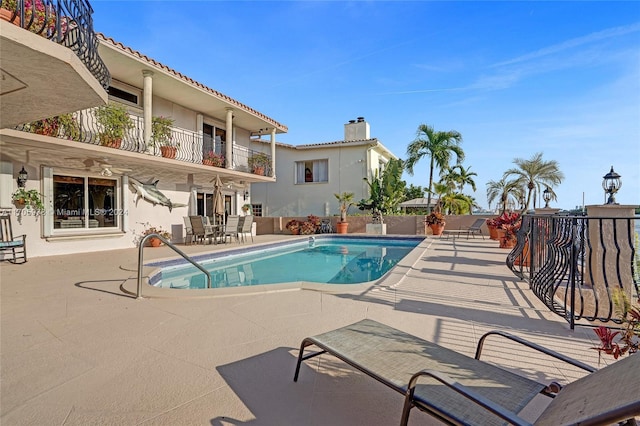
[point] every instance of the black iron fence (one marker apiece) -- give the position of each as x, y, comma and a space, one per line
573, 263
66, 22
88, 126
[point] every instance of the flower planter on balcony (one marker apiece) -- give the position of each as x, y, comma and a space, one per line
6, 15
110, 142
168, 151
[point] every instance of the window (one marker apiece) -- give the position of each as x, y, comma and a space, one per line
214, 139
122, 95
85, 202
256, 209
312, 171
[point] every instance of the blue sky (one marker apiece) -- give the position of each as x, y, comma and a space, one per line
514, 78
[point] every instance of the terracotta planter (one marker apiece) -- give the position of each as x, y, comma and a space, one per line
507, 242
155, 242
437, 228
110, 142
258, 170
169, 151
342, 227
493, 232
6, 15
208, 162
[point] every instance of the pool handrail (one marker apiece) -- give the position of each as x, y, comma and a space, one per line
171, 246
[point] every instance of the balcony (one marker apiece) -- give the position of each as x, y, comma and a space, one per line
50, 61
184, 145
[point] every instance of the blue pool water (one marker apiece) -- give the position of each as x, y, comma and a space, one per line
331, 260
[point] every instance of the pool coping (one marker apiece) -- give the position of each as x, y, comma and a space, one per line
390, 279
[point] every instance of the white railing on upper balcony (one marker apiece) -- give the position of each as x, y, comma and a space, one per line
183, 145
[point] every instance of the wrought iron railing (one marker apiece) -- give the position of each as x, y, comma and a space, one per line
573, 263
66, 22
183, 145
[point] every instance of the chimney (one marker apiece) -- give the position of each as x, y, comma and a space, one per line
356, 130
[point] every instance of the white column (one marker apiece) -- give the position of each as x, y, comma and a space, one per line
273, 152
147, 107
229, 142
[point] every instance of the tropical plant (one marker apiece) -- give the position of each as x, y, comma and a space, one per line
438, 146
44, 17
626, 340
293, 225
63, 124
148, 230
504, 190
386, 190
216, 159
411, 192
161, 134
434, 218
534, 173
30, 198
259, 162
458, 176
115, 121
345, 200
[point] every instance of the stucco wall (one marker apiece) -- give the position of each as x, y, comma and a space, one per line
398, 225
347, 168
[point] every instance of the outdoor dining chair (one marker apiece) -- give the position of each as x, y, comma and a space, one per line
200, 231
231, 228
245, 228
188, 237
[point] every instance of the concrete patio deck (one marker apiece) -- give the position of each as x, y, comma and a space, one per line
76, 350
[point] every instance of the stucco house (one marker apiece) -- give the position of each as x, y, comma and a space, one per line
90, 184
309, 175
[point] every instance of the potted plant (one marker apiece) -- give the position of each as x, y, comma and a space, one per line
294, 226
436, 222
626, 340
115, 121
213, 159
345, 200
27, 198
258, 163
246, 209
161, 136
10, 9
154, 242
64, 124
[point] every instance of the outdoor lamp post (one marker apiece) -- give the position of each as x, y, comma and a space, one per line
22, 177
611, 183
546, 196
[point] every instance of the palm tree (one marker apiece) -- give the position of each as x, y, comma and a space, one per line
504, 190
438, 146
534, 173
460, 177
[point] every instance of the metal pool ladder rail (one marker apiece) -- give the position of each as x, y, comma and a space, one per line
174, 248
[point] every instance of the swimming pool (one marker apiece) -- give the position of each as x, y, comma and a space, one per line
324, 260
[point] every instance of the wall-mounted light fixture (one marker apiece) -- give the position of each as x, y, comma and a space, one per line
23, 176
246, 194
611, 183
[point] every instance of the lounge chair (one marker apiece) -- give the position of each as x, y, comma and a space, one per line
475, 228
461, 390
17, 246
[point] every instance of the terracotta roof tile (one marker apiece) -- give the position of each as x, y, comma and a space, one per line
191, 81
